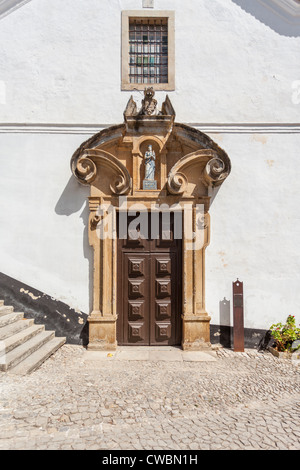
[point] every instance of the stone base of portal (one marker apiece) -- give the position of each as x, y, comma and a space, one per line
102, 332
196, 332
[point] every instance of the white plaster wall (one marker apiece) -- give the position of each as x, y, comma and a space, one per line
255, 230
42, 217
255, 224
60, 64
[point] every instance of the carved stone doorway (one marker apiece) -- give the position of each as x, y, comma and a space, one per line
189, 167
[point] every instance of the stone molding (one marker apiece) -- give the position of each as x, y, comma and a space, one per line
92, 129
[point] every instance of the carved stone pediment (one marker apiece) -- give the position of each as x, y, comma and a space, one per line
187, 162
148, 106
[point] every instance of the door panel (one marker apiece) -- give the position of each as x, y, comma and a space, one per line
136, 310
131, 244
164, 319
163, 310
149, 292
137, 333
133, 288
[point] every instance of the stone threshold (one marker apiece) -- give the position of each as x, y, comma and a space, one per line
151, 353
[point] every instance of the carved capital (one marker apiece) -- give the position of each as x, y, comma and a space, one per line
94, 203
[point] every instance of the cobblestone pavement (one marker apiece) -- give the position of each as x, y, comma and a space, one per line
240, 401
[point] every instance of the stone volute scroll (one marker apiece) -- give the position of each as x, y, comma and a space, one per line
86, 170
213, 170
92, 162
149, 159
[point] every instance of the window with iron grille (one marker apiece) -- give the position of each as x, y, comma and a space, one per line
148, 50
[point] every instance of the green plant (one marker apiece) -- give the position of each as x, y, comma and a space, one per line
285, 334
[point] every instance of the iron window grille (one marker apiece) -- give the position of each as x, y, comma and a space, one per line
148, 50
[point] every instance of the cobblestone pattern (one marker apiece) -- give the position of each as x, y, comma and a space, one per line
241, 401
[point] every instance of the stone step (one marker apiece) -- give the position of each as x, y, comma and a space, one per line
32, 362
10, 318
15, 327
1, 302
20, 353
17, 339
4, 310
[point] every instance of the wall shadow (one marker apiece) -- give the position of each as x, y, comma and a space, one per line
266, 341
214, 192
72, 200
223, 333
225, 330
272, 15
45, 310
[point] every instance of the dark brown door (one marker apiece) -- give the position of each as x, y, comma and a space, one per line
149, 291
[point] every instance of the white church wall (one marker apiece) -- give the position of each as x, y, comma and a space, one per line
254, 223
60, 63
255, 227
236, 76
43, 216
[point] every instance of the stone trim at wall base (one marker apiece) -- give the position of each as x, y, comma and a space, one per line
253, 338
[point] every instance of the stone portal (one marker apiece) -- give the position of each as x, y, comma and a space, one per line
147, 163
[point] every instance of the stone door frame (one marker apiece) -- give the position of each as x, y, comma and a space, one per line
190, 166
103, 318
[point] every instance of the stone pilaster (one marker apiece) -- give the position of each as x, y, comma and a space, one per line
102, 320
195, 319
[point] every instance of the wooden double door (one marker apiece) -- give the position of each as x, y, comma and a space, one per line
149, 291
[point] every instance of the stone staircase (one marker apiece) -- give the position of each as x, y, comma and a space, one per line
24, 346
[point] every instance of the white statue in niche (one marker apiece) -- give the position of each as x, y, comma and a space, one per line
149, 164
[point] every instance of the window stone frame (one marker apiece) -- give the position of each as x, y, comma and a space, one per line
126, 15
